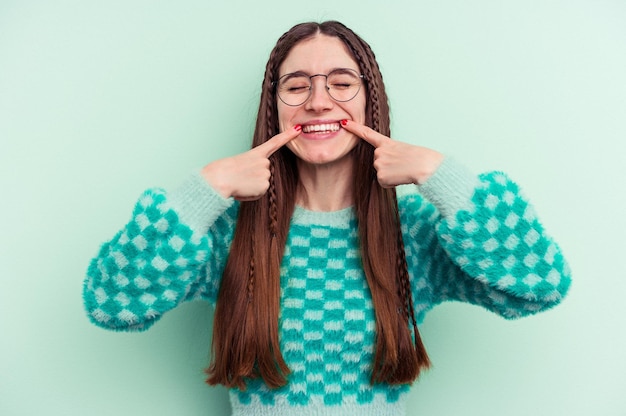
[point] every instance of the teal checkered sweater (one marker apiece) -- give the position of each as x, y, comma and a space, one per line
467, 238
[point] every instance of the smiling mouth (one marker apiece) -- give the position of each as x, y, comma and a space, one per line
321, 128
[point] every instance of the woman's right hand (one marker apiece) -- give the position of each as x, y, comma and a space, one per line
246, 176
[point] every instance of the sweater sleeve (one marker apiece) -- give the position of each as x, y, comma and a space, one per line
478, 240
173, 249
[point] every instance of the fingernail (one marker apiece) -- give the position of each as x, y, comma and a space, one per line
344, 122
298, 127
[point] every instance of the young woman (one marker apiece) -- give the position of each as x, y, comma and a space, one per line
318, 273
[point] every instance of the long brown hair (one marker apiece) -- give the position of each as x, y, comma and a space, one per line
245, 329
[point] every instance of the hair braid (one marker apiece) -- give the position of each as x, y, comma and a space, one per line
407, 296
271, 114
404, 284
251, 270
273, 211
374, 98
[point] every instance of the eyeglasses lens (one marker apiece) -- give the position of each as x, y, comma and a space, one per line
342, 85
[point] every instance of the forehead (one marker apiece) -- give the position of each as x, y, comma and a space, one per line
318, 55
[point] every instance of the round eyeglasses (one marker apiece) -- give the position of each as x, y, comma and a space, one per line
342, 84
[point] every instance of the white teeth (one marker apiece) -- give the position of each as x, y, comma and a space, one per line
318, 128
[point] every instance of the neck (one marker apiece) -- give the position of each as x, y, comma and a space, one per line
326, 187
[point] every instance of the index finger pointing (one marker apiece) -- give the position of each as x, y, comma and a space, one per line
272, 145
369, 135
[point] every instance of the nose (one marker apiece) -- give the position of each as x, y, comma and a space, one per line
319, 100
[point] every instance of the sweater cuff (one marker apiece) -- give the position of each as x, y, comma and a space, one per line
450, 188
198, 205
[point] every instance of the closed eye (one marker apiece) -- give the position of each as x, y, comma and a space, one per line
341, 86
297, 89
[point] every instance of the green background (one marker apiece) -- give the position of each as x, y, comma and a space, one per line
102, 99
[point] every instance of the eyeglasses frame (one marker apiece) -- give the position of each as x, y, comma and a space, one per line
275, 85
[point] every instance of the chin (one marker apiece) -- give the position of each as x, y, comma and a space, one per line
321, 152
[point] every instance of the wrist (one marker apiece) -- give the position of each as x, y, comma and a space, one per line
210, 173
428, 165
450, 188
197, 203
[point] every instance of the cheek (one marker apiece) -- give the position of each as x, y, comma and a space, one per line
361, 117
285, 115
357, 111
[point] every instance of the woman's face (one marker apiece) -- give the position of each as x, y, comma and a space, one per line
323, 140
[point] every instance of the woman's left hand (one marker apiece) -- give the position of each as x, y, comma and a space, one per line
397, 163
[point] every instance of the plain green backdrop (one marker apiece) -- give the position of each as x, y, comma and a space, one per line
102, 99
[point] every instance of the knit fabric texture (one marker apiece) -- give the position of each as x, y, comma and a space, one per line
489, 250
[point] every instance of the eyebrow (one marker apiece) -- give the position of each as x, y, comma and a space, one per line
293, 74
298, 73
